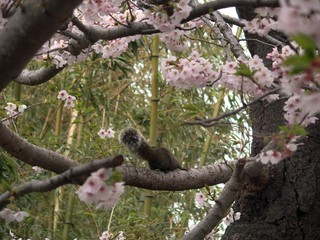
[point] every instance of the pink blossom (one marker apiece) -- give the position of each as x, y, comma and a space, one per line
200, 198
102, 133
19, 216
102, 173
11, 107
7, 215
292, 147
96, 191
63, 95
161, 21
193, 71
270, 156
109, 133
21, 108
69, 104
37, 169
106, 235
69, 99
231, 217
10, 216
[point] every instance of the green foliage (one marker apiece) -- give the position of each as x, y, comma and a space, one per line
302, 62
244, 71
294, 130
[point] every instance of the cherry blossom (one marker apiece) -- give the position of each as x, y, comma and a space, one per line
193, 71
231, 217
165, 23
96, 191
200, 198
106, 235
109, 133
270, 156
13, 111
37, 169
69, 99
260, 82
63, 95
10, 216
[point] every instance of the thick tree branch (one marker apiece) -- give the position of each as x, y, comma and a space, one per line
228, 35
177, 180
68, 177
38, 76
220, 209
209, 7
33, 23
94, 33
143, 178
32, 154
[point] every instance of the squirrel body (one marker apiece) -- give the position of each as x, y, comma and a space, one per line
157, 157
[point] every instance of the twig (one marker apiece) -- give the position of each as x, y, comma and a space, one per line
208, 122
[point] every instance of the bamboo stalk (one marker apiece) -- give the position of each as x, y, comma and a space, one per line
207, 144
70, 139
148, 195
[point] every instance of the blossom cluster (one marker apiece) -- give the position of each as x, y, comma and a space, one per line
109, 133
69, 99
231, 217
292, 17
92, 9
12, 110
302, 105
300, 16
264, 23
9, 216
165, 22
106, 235
260, 81
56, 50
175, 39
113, 48
193, 71
276, 156
96, 191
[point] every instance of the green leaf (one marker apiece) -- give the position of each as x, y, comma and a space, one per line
190, 107
298, 63
294, 129
244, 71
305, 42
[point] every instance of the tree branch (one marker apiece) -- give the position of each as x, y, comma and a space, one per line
220, 209
68, 177
143, 178
32, 154
177, 180
227, 33
96, 33
38, 76
212, 121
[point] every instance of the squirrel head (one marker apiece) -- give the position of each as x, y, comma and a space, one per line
131, 138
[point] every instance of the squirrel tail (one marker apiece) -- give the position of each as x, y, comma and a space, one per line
132, 139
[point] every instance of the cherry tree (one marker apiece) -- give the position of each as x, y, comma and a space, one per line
271, 194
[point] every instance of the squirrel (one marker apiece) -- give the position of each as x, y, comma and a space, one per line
157, 157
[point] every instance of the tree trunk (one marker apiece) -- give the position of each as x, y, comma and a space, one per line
287, 206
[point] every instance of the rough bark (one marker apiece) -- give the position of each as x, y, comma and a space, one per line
287, 206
